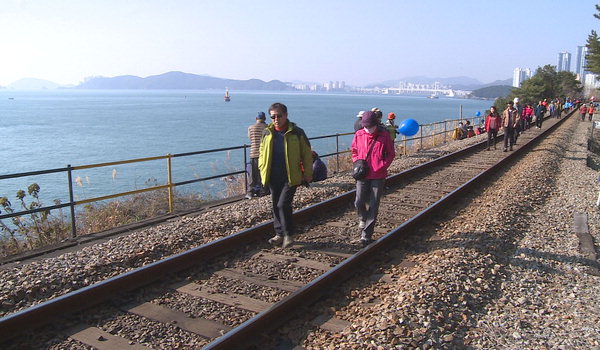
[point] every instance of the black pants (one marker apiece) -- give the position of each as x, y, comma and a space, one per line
368, 195
522, 125
282, 195
508, 137
538, 121
492, 138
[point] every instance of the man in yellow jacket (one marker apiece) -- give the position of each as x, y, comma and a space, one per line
285, 162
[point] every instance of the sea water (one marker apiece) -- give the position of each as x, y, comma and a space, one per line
52, 129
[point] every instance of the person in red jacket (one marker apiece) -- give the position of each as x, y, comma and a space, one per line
370, 189
583, 111
527, 115
492, 125
590, 110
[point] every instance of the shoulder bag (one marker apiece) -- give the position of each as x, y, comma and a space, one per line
360, 167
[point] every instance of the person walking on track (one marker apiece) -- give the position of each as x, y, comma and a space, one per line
285, 162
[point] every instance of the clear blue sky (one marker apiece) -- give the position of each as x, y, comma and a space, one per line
357, 41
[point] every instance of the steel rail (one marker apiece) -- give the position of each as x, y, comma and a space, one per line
45, 312
245, 334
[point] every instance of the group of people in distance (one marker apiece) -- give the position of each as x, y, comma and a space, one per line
587, 109
279, 152
515, 119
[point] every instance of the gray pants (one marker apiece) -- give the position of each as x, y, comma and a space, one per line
368, 194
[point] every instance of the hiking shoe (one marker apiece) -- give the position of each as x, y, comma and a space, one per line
362, 224
275, 240
365, 241
356, 241
248, 195
287, 241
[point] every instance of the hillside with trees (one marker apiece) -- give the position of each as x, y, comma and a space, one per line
547, 83
491, 92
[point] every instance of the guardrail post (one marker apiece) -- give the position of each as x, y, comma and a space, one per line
421, 133
170, 182
72, 201
337, 153
445, 131
404, 140
246, 170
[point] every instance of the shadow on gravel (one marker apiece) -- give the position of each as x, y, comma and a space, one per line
549, 257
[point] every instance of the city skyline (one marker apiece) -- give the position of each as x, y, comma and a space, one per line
65, 41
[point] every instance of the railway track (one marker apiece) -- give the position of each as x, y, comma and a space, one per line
225, 294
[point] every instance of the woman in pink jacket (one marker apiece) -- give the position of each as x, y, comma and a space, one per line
370, 189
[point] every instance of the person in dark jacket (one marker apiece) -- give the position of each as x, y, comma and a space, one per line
319, 168
357, 123
510, 120
540, 111
464, 128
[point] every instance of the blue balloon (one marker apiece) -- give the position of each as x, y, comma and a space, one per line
408, 127
478, 113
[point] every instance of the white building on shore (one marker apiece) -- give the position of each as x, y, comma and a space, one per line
520, 75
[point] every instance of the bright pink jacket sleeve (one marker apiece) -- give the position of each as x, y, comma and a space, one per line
382, 155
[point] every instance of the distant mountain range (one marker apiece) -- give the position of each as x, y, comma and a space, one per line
188, 81
180, 80
33, 84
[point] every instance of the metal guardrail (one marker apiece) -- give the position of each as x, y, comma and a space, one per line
430, 132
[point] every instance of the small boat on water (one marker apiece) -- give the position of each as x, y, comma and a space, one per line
434, 96
227, 98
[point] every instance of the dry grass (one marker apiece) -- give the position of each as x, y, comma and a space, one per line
38, 230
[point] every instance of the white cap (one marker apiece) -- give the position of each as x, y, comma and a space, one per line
516, 100
360, 114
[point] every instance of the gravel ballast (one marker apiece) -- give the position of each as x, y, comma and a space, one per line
505, 273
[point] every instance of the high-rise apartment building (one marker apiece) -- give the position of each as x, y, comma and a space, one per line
581, 62
564, 62
520, 75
